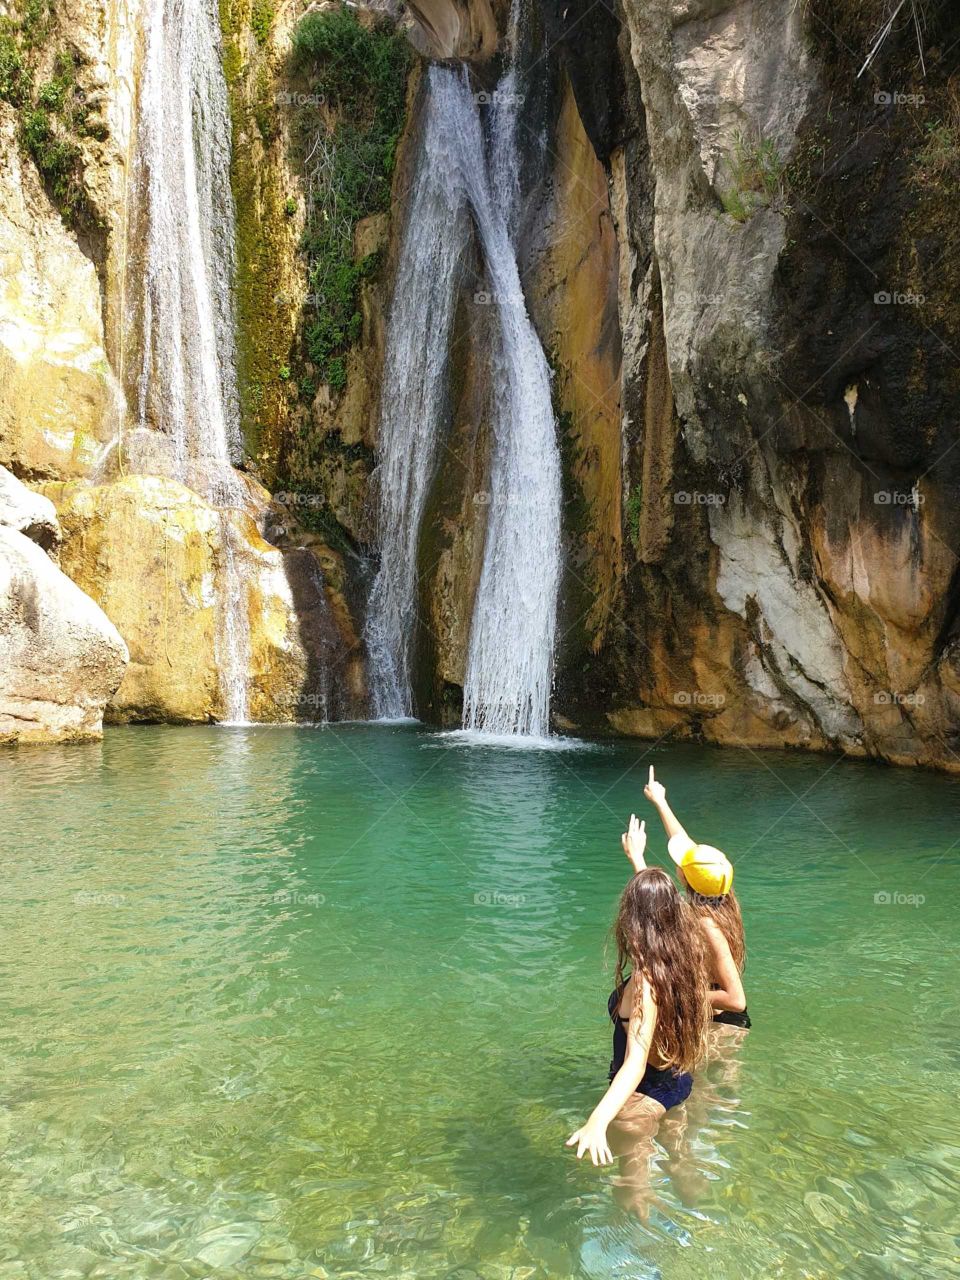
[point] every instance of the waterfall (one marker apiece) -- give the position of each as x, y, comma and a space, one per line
182, 302
510, 658
414, 396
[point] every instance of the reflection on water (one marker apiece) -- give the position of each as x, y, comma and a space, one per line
328, 1002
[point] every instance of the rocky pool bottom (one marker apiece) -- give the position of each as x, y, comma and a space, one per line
302, 1003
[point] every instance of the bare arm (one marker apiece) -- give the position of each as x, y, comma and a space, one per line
729, 992
634, 841
593, 1136
656, 793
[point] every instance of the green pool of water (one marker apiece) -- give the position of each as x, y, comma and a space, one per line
327, 1003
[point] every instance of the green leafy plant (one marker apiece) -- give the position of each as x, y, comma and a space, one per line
632, 511
261, 20
53, 117
756, 172
359, 73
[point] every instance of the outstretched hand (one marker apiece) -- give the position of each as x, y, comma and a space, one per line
655, 791
634, 841
592, 1140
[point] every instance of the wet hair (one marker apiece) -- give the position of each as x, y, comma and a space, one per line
725, 911
658, 936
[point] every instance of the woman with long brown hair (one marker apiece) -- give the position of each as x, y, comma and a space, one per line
707, 876
658, 1006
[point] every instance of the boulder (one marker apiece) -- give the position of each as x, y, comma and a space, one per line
28, 513
61, 658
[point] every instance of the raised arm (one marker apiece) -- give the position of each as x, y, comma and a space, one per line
593, 1136
656, 793
634, 841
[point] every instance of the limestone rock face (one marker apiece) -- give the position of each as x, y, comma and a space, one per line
60, 656
58, 397
152, 553
790, 546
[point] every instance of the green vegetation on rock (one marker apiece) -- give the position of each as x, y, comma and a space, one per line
357, 75
632, 512
54, 114
756, 172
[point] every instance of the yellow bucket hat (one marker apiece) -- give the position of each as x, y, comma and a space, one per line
706, 870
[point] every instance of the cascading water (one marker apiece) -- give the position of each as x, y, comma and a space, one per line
415, 392
510, 659
183, 310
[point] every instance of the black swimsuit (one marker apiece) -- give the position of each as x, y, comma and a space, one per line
732, 1017
664, 1084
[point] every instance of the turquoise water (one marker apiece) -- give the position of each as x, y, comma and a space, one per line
292, 1002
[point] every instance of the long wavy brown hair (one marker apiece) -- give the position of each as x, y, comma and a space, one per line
726, 912
658, 936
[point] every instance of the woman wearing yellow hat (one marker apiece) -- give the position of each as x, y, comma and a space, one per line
708, 877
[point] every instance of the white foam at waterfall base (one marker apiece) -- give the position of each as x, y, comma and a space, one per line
510, 658
181, 297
